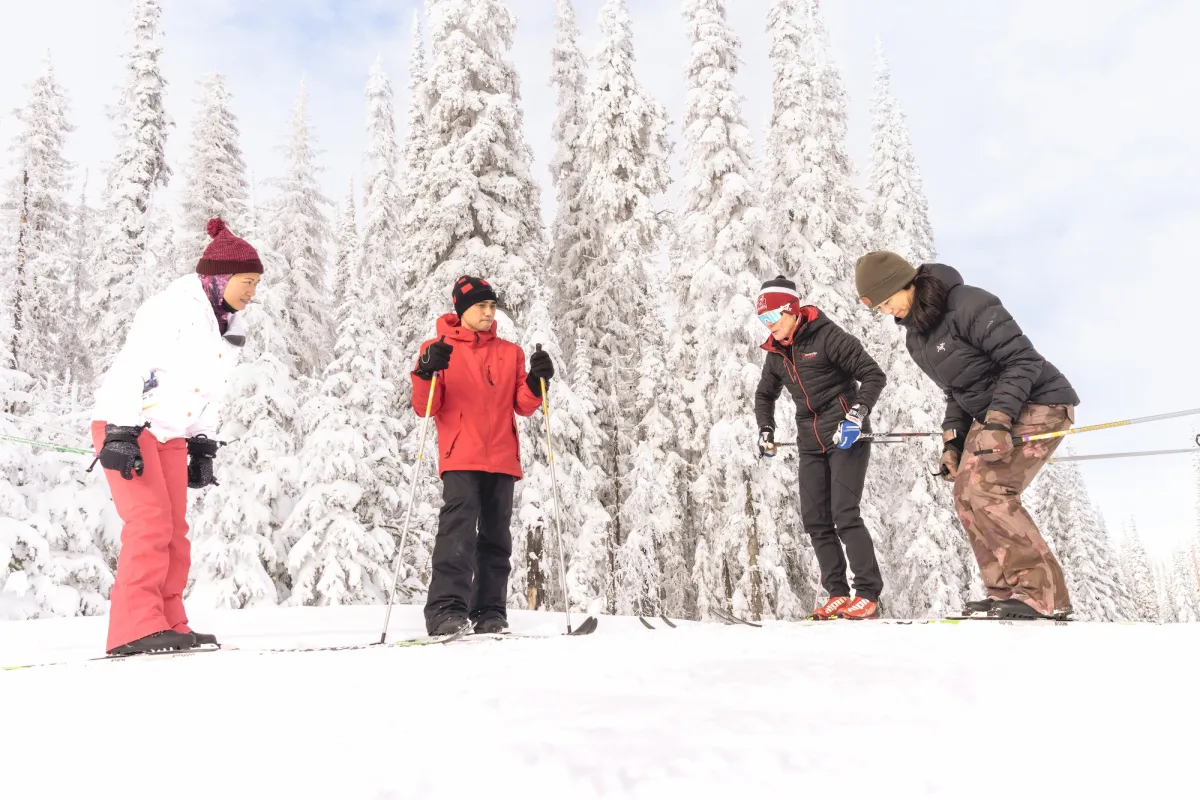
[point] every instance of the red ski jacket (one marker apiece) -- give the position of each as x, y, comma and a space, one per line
475, 400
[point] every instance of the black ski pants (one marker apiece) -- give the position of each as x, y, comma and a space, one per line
831, 486
473, 546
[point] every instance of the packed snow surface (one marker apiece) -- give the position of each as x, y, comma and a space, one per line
977, 710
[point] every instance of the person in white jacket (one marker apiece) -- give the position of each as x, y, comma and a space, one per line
154, 425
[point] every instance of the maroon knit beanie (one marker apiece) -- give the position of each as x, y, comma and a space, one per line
226, 254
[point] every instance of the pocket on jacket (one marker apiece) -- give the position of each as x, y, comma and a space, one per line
458, 427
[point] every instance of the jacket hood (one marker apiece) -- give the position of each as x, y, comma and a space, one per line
946, 274
450, 326
811, 318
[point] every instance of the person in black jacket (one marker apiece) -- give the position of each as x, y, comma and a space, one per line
998, 390
834, 383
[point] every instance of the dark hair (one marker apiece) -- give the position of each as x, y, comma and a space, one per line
929, 301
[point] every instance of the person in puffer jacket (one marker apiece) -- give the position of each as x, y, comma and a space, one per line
998, 388
154, 427
482, 384
834, 383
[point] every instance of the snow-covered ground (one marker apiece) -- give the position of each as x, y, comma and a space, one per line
974, 710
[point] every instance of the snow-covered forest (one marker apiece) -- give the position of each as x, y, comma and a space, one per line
666, 507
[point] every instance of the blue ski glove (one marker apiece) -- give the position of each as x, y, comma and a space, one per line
850, 429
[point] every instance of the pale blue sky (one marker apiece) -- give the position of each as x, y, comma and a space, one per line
1057, 142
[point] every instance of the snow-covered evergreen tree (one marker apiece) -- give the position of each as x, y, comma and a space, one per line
381, 227
793, 100
1060, 504
238, 555
575, 438
79, 286
829, 209
416, 139
140, 166
216, 172
1140, 577
73, 511
24, 551
568, 247
477, 206
298, 229
579, 443
41, 300
925, 556
338, 536
345, 260
898, 213
1182, 587
625, 149
715, 351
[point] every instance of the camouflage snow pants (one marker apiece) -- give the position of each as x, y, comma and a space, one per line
1014, 559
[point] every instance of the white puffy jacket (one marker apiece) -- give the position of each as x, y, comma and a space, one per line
174, 368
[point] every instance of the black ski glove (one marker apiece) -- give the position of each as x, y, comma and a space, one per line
540, 368
121, 452
766, 442
201, 450
435, 359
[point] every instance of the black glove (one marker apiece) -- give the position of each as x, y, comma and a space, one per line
121, 452
201, 450
435, 359
540, 368
766, 442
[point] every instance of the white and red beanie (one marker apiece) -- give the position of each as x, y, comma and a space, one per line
777, 293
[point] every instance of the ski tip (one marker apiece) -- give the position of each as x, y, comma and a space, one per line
585, 627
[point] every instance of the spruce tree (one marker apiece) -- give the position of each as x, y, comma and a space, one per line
140, 167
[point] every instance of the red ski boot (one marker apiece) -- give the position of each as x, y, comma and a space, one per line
861, 608
830, 609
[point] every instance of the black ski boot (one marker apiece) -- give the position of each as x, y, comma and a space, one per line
1019, 609
205, 639
451, 624
161, 642
976, 607
491, 624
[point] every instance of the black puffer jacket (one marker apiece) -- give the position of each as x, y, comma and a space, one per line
820, 368
978, 355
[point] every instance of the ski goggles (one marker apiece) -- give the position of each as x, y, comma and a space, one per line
771, 317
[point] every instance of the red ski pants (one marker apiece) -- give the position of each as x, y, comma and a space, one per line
152, 570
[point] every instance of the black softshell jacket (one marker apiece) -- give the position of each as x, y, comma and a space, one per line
826, 370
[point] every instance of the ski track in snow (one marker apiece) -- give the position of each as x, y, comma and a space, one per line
970, 710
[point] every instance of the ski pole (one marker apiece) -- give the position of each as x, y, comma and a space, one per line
1105, 425
881, 438
412, 495
1192, 450
562, 568
60, 448
1019, 440
42, 425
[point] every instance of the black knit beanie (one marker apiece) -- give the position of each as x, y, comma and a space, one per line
468, 291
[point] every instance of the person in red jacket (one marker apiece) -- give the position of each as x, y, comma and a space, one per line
477, 393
